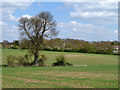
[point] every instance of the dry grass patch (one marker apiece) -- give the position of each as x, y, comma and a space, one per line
68, 55
67, 74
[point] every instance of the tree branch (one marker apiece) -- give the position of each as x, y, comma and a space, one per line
26, 31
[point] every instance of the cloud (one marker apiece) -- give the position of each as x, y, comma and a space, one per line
92, 14
116, 31
18, 1
12, 18
73, 22
102, 12
88, 32
28, 16
8, 9
1, 23
9, 32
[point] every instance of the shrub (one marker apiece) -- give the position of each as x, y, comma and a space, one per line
68, 50
69, 64
56, 48
11, 60
19, 61
13, 47
47, 48
27, 60
61, 61
41, 61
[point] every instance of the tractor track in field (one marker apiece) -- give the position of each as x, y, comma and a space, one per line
48, 82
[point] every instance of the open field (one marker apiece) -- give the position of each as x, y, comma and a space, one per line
101, 72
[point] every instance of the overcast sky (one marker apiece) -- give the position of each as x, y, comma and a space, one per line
91, 21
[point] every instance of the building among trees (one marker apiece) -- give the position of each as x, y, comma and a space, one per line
116, 48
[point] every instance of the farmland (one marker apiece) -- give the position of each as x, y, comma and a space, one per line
90, 71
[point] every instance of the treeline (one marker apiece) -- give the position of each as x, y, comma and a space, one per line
73, 45
69, 45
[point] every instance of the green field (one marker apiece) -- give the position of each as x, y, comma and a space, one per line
101, 71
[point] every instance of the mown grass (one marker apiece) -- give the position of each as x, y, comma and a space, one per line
101, 72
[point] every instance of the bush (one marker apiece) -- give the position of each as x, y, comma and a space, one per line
19, 61
24, 60
68, 50
61, 61
13, 47
69, 64
27, 60
11, 60
41, 61
56, 48
47, 48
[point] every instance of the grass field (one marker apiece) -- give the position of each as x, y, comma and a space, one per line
101, 72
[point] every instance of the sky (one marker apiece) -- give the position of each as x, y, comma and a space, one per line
90, 21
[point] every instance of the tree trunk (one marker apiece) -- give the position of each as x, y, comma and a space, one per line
36, 58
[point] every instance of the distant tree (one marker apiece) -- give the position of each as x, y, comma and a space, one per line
35, 29
103, 47
115, 43
16, 42
57, 42
87, 47
24, 44
5, 44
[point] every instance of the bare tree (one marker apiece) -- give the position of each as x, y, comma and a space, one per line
35, 29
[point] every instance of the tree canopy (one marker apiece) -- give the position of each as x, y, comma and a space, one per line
35, 29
